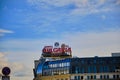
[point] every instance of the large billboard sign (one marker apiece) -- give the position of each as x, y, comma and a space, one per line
56, 50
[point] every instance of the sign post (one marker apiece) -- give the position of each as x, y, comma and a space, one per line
5, 77
6, 71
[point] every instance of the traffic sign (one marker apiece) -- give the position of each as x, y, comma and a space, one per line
6, 71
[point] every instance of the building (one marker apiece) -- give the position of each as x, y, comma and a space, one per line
90, 68
115, 54
93, 68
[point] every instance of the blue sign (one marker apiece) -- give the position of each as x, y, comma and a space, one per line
6, 71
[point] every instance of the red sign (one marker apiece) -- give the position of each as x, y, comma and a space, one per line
57, 51
47, 49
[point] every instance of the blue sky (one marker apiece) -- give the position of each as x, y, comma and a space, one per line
90, 27
36, 19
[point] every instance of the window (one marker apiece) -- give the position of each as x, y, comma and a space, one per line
89, 70
101, 69
82, 70
62, 64
113, 68
106, 68
55, 65
76, 69
51, 65
114, 77
94, 76
66, 79
68, 64
88, 77
104, 76
92, 69
107, 76
78, 77
94, 61
91, 77
75, 77
82, 61
100, 76
81, 77
117, 76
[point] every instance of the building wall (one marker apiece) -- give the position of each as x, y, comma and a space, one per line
85, 76
96, 76
54, 77
94, 65
115, 54
94, 68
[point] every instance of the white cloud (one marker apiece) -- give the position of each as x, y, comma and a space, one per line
21, 78
3, 60
118, 2
103, 17
4, 31
60, 3
17, 68
91, 7
82, 7
1, 55
80, 41
94, 44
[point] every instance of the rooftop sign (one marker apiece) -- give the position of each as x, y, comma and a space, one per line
56, 50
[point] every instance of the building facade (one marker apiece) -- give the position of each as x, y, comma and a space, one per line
93, 68
68, 68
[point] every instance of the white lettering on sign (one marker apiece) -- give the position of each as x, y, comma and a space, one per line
50, 49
